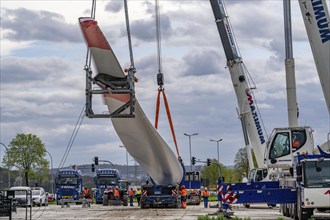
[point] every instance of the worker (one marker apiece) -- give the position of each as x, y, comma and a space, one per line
131, 196
116, 195
138, 195
183, 193
86, 193
206, 195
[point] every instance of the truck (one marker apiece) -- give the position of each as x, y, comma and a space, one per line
105, 180
312, 184
273, 181
160, 196
192, 182
69, 185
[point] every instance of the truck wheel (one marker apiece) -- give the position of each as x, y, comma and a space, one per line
295, 212
304, 214
285, 210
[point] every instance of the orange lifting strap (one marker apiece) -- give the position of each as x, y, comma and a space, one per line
161, 90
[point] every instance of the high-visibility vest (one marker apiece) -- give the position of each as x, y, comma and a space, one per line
206, 193
116, 192
131, 193
138, 192
183, 192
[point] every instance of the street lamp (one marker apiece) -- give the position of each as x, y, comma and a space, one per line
220, 201
8, 165
51, 172
189, 135
218, 152
217, 147
126, 161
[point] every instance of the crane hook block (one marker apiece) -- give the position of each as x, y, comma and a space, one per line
160, 79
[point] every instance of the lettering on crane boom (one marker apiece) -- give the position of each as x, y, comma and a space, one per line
256, 118
230, 37
321, 20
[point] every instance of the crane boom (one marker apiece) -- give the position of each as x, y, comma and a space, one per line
277, 151
317, 23
247, 109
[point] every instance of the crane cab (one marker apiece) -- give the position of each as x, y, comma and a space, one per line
284, 143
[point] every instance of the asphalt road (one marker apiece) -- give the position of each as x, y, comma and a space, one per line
99, 212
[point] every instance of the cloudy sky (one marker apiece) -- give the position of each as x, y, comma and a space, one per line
42, 78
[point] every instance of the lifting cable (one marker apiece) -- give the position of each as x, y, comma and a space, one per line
129, 36
88, 70
73, 137
160, 81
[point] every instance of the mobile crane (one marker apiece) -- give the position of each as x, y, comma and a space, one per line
271, 153
278, 163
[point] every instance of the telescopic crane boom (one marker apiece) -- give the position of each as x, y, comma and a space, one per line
276, 152
317, 23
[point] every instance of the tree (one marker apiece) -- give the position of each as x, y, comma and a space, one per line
212, 173
241, 163
26, 152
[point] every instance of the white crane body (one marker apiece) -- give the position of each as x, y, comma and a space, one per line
316, 18
295, 173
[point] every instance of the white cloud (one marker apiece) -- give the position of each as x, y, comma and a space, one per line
43, 81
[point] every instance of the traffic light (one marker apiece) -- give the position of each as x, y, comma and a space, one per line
96, 160
208, 161
193, 160
93, 167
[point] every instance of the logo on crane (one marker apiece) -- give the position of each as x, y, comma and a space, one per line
321, 20
256, 118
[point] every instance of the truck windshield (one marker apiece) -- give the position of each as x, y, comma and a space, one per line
317, 174
68, 180
123, 185
107, 180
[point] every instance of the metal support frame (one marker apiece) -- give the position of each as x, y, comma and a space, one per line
110, 86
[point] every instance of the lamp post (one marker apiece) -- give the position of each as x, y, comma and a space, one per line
126, 161
8, 165
51, 172
219, 201
217, 147
189, 135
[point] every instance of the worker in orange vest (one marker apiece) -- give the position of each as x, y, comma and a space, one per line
206, 195
116, 195
183, 193
131, 196
86, 193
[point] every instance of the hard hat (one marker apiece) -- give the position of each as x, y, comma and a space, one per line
205, 188
183, 186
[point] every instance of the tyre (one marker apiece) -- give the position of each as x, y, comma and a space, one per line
286, 210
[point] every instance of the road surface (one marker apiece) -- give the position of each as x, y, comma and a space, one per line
99, 212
